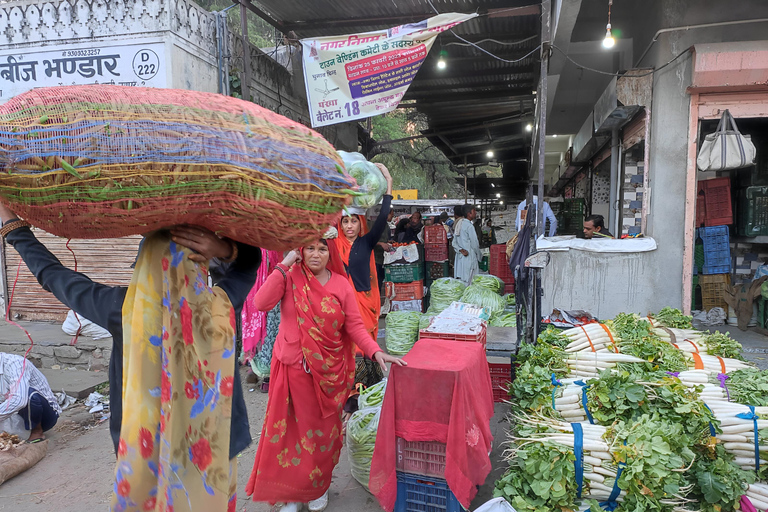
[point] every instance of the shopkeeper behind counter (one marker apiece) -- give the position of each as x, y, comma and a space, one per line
594, 227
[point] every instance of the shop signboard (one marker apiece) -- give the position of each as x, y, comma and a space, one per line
357, 76
142, 65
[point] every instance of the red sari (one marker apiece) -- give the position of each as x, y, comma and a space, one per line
301, 437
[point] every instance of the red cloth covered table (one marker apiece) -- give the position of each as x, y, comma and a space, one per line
443, 395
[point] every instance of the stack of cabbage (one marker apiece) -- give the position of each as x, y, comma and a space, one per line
110, 161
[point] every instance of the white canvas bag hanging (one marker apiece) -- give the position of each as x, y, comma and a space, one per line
726, 149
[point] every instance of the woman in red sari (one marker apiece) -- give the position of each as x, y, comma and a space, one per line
311, 377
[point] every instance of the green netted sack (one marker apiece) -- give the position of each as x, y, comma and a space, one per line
443, 293
402, 331
372, 396
483, 297
493, 283
361, 440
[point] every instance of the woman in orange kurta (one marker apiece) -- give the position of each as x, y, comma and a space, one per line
312, 376
353, 256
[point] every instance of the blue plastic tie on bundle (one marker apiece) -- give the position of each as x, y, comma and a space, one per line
578, 451
584, 400
751, 415
611, 504
555, 384
712, 431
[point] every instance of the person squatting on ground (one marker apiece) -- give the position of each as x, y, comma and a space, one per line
173, 367
25, 399
313, 372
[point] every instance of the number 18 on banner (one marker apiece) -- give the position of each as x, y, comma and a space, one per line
362, 75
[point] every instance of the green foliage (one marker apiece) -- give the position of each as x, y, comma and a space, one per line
719, 344
674, 319
541, 478
553, 336
413, 164
718, 481
620, 396
748, 386
532, 387
638, 340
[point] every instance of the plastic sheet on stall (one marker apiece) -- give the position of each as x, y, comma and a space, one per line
610, 245
568, 319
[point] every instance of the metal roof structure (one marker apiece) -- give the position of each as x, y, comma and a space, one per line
477, 103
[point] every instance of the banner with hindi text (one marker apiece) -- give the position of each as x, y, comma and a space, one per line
362, 75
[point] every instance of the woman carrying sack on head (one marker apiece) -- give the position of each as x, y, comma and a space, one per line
311, 377
352, 256
173, 366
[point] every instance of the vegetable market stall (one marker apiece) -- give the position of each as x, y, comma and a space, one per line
637, 413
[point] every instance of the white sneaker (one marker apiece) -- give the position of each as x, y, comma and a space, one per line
319, 504
291, 507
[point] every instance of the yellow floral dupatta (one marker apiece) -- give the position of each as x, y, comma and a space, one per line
178, 375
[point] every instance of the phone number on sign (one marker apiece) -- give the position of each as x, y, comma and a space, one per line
81, 53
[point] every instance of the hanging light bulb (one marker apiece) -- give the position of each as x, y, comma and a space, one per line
489, 154
609, 41
441, 64
498, 195
528, 127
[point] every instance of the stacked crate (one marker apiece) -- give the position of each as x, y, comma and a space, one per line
716, 268
405, 284
499, 267
436, 253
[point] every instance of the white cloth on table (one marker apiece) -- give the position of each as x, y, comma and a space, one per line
548, 214
465, 238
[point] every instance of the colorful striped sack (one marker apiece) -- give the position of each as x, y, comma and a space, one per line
109, 161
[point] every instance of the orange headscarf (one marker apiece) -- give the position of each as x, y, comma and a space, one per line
369, 302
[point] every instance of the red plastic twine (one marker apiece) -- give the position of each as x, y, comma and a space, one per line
588, 339
608, 332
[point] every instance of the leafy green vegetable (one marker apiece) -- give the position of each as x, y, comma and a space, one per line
510, 299
718, 481
503, 320
443, 292
402, 331
532, 388
719, 344
370, 181
553, 336
638, 340
674, 319
484, 298
748, 386
493, 283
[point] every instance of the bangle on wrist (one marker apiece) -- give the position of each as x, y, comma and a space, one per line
233, 254
12, 225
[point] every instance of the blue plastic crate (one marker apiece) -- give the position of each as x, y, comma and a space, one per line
717, 250
416, 493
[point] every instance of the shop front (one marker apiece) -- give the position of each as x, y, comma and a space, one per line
726, 214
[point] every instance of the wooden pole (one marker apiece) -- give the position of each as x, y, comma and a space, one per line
245, 82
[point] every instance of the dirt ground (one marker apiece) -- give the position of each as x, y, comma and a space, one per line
77, 473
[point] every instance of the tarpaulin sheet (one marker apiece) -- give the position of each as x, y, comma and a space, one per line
443, 395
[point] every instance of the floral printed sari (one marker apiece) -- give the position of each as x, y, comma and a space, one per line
178, 375
301, 438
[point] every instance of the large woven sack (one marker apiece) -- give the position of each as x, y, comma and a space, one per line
20, 458
110, 161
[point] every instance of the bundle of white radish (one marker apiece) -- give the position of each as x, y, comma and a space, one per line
715, 364
590, 364
568, 402
683, 339
740, 425
758, 495
591, 337
599, 471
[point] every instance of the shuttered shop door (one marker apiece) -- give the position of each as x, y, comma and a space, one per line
106, 261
